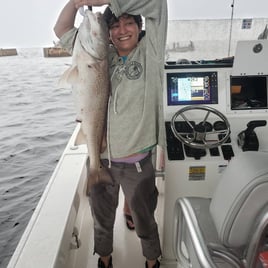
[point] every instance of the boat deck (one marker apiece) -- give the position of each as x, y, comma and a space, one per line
60, 232
127, 248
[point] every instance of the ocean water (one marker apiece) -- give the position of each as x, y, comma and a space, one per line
36, 121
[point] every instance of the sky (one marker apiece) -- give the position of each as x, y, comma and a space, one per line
29, 23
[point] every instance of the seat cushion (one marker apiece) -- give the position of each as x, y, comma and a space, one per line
239, 197
218, 252
200, 206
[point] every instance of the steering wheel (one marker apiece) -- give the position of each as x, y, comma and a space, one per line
200, 136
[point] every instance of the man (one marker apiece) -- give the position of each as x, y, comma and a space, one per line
135, 117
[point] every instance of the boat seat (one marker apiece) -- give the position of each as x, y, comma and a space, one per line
230, 229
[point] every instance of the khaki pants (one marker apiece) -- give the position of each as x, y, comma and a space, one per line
138, 184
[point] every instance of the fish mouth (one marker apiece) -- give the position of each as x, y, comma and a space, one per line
94, 16
98, 15
91, 35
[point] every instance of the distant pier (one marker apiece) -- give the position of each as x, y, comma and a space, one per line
8, 52
55, 52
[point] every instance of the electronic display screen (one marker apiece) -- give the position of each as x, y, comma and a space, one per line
249, 92
192, 88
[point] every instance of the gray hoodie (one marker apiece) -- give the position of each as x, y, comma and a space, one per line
135, 116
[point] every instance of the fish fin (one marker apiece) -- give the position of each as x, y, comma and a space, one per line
69, 77
98, 177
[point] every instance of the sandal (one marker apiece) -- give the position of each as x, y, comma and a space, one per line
157, 264
129, 222
102, 265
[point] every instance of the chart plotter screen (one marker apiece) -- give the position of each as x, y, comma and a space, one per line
192, 88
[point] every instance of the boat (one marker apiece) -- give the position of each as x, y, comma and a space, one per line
55, 52
213, 203
8, 52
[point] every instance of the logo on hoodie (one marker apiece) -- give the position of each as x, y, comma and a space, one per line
133, 70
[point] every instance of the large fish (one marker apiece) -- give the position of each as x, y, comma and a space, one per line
89, 77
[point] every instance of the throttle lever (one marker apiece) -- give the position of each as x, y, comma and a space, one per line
248, 139
253, 124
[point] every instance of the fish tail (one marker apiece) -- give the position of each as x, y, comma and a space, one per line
98, 176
